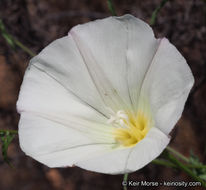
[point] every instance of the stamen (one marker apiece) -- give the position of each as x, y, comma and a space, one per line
119, 118
130, 129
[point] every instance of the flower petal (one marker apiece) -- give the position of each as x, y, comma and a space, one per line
58, 145
101, 58
41, 93
129, 159
116, 51
62, 62
167, 84
55, 124
141, 48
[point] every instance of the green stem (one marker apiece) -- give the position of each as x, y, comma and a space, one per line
185, 169
23, 47
111, 7
176, 153
125, 180
156, 11
13, 41
171, 165
164, 163
10, 131
196, 166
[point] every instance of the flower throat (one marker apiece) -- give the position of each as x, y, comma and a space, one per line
130, 129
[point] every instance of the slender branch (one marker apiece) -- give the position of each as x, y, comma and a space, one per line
156, 11
185, 169
111, 7
176, 153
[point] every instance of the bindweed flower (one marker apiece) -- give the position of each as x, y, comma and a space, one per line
103, 98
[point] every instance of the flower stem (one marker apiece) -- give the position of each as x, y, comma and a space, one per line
164, 163
171, 165
196, 166
176, 153
185, 169
125, 180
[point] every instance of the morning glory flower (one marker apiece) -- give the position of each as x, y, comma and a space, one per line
104, 98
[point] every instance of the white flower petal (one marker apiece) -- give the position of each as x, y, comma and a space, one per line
129, 159
42, 94
62, 61
58, 145
147, 150
56, 127
117, 52
102, 50
167, 84
141, 48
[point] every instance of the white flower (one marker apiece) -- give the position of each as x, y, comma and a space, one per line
103, 98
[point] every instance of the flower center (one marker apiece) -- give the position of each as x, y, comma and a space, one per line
130, 128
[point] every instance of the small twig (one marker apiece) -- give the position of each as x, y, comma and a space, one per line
156, 11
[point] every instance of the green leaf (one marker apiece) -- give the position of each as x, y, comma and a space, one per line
12, 41
6, 138
156, 11
203, 176
6, 36
194, 160
111, 7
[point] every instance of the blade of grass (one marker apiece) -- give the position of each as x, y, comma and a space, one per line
111, 7
6, 137
13, 42
156, 11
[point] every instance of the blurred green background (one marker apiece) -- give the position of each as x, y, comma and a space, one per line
36, 23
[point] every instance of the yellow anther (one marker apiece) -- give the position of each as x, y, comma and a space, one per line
131, 129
